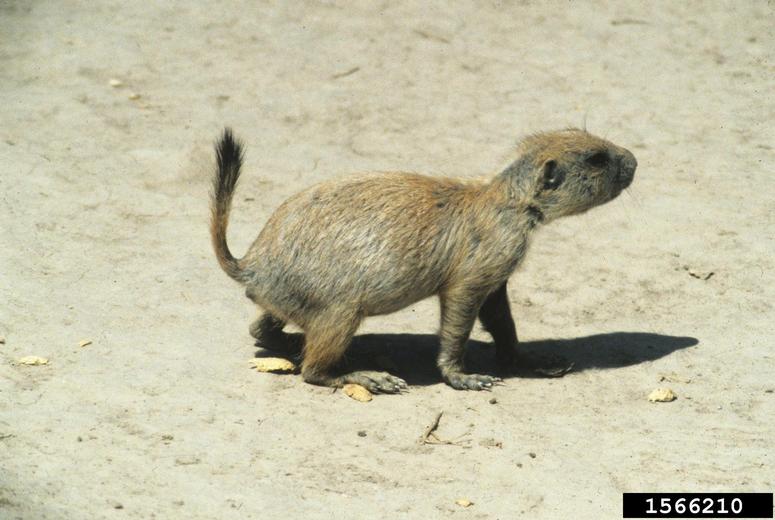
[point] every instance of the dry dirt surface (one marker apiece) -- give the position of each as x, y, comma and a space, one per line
109, 111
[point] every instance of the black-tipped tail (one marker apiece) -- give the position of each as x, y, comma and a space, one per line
229, 157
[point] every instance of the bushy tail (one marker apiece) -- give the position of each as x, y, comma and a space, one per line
229, 155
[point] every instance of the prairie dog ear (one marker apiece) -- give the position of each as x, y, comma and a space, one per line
553, 175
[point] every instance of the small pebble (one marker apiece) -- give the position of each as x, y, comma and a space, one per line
492, 401
662, 395
361, 433
272, 364
115, 83
357, 392
32, 360
133, 96
532, 455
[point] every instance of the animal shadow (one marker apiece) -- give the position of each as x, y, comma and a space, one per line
413, 356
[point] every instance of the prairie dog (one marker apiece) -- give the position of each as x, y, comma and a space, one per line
366, 245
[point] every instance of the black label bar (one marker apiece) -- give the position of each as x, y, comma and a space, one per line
697, 505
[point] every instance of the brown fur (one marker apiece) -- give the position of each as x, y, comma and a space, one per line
373, 244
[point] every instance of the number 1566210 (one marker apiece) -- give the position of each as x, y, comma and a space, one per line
695, 505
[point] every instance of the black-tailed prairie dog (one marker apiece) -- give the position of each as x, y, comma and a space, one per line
360, 246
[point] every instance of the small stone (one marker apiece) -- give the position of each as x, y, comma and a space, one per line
361, 433
532, 455
84, 342
357, 392
115, 83
492, 400
464, 502
133, 96
167, 437
662, 395
271, 364
32, 360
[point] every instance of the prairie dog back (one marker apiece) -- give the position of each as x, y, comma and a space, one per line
381, 242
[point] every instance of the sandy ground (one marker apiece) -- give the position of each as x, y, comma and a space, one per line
104, 238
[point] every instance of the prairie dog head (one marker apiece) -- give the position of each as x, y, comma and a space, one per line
568, 172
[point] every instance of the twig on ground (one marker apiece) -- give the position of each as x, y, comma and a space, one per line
346, 73
429, 435
431, 428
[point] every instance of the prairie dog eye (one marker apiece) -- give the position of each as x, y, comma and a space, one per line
553, 175
598, 160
